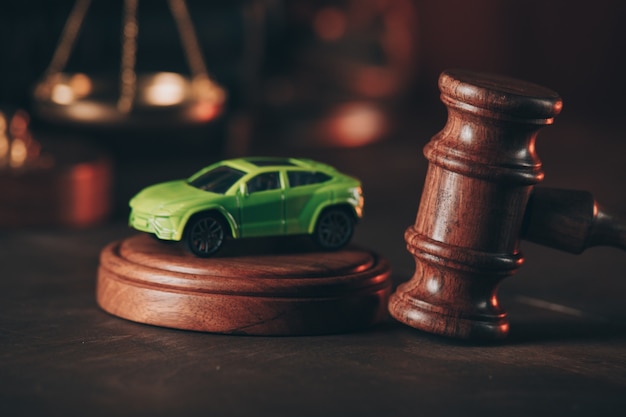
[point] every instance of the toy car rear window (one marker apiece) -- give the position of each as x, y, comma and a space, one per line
217, 180
301, 178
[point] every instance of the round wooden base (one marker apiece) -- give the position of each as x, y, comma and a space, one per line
293, 292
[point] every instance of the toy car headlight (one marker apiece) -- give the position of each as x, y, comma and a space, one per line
357, 194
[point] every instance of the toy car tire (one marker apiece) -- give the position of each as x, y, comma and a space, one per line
205, 235
334, 228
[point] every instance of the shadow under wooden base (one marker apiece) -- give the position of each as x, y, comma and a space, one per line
295, 293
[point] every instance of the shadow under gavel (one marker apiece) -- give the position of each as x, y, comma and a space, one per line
479, 199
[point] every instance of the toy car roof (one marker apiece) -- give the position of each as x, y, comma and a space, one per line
250, 164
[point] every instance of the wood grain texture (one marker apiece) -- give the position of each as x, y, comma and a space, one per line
151, 282
482, 168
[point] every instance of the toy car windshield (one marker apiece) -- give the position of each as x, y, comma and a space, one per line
218, 180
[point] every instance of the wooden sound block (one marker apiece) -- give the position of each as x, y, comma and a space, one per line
246, 291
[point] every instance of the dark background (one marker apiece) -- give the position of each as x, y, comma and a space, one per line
287, 82
573, 47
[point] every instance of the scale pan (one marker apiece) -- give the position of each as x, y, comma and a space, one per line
162, 99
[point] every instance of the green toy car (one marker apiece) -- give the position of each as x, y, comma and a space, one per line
251, 197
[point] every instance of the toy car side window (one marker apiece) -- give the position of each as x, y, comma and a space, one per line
301, 178
264, 182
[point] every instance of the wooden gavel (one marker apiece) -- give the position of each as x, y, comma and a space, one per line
479, 200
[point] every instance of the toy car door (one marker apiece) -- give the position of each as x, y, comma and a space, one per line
302, 198
262, 206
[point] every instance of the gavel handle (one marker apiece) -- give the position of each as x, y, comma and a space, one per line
570, 220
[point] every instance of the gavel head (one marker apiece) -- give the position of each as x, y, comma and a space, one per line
482, 168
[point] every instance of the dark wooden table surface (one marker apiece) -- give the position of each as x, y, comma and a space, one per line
60, 355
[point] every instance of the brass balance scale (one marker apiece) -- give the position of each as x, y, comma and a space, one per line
155, 98
56, 181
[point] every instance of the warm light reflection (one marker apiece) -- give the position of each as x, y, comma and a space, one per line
165, 89
494, 301
86, 110
18, 153
81, 85
66, 90
357, 124
207, 90
17, 147
62, 94
169, 89
4, 151
433, 286
18, 127
466, 134
4, 142
205, 110
209, 99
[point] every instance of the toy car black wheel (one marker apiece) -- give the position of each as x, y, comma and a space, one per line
205, 235
334, 229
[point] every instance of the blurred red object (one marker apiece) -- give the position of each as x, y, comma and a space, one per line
51, 183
